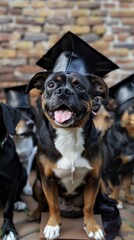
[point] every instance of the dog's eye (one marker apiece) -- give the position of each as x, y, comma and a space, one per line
51, 85
80, 88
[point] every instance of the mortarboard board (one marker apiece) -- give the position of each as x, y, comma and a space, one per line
72, 54
123, 91
16, 96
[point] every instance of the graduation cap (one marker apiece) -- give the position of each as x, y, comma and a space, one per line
72, 54
123, 91
16, 96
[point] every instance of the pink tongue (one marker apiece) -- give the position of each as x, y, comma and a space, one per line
62, 116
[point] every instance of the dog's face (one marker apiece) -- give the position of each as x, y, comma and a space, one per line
67, 97
25, 126
127, 117
103, 120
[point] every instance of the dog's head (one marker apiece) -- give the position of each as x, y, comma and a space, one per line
126, 116
103, 120
9, 117
67, 97
26, 126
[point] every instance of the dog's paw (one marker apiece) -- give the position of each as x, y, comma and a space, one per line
20, 206
27, 190
51, 232
10, 236
95, 232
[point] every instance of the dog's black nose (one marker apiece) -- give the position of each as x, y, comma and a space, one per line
63, 92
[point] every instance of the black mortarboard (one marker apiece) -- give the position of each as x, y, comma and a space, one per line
123, 91
16, 96
72, 54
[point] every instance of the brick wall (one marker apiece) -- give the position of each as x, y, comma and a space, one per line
28, 28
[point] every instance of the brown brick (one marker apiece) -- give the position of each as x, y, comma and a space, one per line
5, 37
88, 5
99, 29
4, 3
28, 69
15, 11
89, 21
100, 45
128, 21
44, 12
7, 53
122, 14
13, 61
6, 70
29, 12
60, 4
127, 61
34, 29
24, 45
38, 4
60, 20
108, 38
116, 52
51, 28
30, 53
80, 12
123, 36
20, 4
77, 29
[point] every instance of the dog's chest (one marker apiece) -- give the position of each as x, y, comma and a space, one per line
71, 167
24, 146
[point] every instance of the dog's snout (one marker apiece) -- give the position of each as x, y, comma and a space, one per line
63, 92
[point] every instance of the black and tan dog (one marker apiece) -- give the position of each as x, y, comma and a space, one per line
12, 175
70, 155
25, 137
118, 142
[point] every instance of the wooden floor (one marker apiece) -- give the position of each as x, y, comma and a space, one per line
30, 231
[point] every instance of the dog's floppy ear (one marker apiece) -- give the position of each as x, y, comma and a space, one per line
100, 87
37, 81
11, 117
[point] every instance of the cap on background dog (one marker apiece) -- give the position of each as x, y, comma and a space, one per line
72, 54
16, 97
123, 91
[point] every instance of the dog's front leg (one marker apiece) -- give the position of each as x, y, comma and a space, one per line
52, 229
92, 229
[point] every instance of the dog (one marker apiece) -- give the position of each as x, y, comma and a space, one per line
25, 137
118, 144
25, 142
103, 120
69, 154
12, 175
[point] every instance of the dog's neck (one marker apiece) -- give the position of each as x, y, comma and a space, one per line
69, 139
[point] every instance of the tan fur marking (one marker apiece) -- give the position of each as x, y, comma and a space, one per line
46, 166
127, 121
20, 125
59, 78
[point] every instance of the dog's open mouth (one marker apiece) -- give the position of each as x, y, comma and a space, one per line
62, 116
65, 116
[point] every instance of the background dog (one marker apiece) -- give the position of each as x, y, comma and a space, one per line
118, 143
12, 174
25, 142
25, 138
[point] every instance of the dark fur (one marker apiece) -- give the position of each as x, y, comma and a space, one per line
12, 175
118, 144
76, 92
